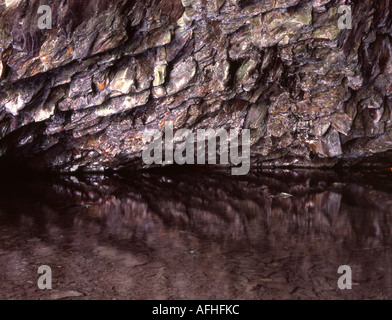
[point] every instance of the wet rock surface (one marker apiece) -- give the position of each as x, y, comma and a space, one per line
197, 235
82, 95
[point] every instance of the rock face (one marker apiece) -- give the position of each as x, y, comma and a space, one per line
82, 95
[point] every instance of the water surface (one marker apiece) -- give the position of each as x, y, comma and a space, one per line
197, 234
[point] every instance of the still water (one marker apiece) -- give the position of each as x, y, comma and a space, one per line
197, 234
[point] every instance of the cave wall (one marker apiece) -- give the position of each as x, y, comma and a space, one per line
83, 95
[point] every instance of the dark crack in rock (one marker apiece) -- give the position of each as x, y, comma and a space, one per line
82, 95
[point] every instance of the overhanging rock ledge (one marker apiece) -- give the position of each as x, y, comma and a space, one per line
82, 95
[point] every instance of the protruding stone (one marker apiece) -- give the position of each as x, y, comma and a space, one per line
124, 80
181, 75
329, 145
159, 75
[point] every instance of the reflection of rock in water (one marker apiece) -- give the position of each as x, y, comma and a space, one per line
196, 232
216, 205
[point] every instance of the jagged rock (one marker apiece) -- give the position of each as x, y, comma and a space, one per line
82, 95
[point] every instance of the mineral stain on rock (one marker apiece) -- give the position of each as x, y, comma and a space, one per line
81, 95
